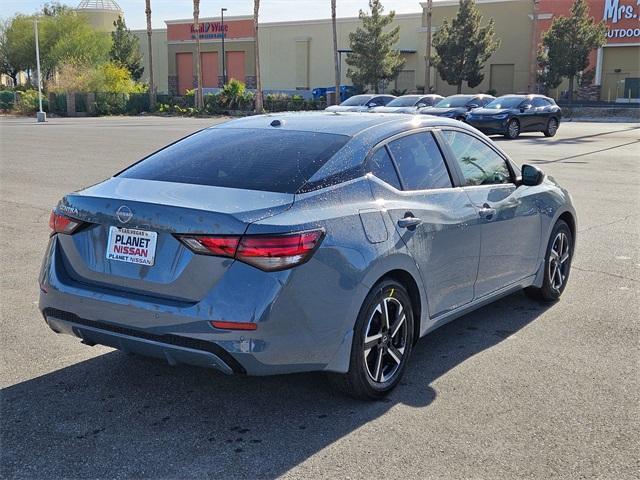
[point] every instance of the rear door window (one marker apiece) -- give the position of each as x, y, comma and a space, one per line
479, 163
382, 167
252, 159
420, 162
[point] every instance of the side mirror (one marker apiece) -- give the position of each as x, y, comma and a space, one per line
471, 106
526, 107
371, 105
531, 176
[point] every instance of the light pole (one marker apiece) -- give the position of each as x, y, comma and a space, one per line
224, 64
427, 70
41, 116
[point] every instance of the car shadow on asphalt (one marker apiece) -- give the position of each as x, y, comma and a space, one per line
126, 416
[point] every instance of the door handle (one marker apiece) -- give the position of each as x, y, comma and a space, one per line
487, 212
409, 222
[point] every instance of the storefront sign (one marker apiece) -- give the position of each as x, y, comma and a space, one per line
623, 20
210, 30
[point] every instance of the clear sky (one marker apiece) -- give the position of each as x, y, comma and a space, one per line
270, 10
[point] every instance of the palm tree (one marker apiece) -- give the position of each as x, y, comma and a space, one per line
336, 62
259, 102
196, 27
152, 87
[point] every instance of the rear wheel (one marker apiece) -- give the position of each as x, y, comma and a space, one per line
382, 343
513, 129
552, 127
557, 264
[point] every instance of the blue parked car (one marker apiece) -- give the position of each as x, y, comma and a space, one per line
510, 115
298, 242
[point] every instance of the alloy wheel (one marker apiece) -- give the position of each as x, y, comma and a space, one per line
552, 127
385, 340
514, 129
559, 261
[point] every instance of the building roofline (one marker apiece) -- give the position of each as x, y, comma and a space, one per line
318, 21
209, 19
449, 3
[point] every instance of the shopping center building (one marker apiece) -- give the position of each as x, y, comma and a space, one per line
298, 55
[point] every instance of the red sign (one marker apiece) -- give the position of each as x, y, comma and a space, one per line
622, 17
623, 20
210, 30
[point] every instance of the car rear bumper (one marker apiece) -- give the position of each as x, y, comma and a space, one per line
172, 348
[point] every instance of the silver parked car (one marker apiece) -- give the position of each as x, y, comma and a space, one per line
361, 103
409, 104
298, 242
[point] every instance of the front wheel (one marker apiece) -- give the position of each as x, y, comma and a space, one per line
557, 264
513, 129
552, 128
382, 343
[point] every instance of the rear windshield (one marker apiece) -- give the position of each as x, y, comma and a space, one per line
403, 102
357, 100
453, 102
252, 159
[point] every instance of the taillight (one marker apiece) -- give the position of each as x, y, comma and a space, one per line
61, 224
266, 252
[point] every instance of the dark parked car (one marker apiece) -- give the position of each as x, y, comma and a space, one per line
361, 103
409, 103
457, 106
510, 115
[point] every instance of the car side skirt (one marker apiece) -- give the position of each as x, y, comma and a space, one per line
447, 317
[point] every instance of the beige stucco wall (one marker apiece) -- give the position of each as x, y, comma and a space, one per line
160, 59
627, 60
101, 20
513, 27
282, 47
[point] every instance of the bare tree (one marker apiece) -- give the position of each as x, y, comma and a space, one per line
196, 27
259, 101
336, 60
152, 86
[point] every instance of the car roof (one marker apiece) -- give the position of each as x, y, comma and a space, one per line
337, 123
523, 95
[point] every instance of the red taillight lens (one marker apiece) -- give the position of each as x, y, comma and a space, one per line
234, 325
266, 252
61, 224
219, 246
278, 252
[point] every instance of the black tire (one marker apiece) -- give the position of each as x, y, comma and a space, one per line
552, 287
358, 382
513, 129
552, 127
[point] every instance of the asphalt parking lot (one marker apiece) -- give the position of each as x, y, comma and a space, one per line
515, 389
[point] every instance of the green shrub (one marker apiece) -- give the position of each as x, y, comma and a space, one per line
28, 103
234, 96
7, 99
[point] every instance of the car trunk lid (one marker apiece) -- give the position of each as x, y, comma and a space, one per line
164, 209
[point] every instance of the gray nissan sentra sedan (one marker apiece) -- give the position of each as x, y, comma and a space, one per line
308, 241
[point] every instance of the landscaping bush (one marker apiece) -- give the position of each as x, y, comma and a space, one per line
28, 103
7, 100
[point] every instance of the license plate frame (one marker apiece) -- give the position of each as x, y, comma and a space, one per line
132, 245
